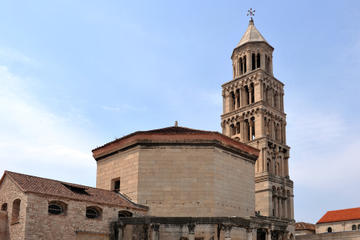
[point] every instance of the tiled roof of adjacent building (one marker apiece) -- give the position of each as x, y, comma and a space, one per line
341, 215
50, 187
304, 226
176, 135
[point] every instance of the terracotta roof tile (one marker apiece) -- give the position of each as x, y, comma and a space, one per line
341, 215
304, 226
173, 134
38, 185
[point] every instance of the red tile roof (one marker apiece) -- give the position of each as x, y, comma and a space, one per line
37, 185
174, 135
341, 215
304, 226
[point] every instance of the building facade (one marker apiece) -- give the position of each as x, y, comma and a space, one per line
337, 224
253, 113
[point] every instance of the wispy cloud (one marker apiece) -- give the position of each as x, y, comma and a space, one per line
10, 55
32, 135
123, 108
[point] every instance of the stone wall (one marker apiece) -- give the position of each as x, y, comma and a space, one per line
4, 226
337, 226
8, 193
331, 236
73, 224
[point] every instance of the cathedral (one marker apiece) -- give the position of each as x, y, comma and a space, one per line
176, 183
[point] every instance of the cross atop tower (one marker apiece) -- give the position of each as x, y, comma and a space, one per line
251, 13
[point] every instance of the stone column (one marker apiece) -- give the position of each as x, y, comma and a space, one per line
285, 208
155, 232
242, 95
227, 229
121, 228
268, 234
249, 234
262, 61
191, 228
248, 61
250, 94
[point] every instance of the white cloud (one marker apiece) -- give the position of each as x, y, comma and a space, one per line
10, 55
33, 135
124, 108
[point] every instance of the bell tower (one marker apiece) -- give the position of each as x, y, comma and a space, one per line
253, 113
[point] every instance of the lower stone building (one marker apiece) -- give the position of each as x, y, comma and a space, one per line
338, 224
38, 208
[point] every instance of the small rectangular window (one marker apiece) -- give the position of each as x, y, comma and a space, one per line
115, 185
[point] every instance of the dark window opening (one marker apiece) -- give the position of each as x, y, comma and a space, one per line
93, 212
241, 66
247, 95
252, 100
252, 128
258, 60
329, 229
55, 209
244, 64
4, 207
76, 189
15, 215
253, 61
125, 214
115, 185
353, 227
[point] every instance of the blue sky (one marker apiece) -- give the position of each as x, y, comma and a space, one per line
77, 74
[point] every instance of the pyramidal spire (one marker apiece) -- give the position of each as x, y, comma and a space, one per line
251, 35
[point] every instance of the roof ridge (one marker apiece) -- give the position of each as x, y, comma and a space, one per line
154, 131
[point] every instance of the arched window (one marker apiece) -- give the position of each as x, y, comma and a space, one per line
268, 165
329, 229
241, 66
237, 127
252, 124
247, 124
15, 214
4, 207
233, 100
125, 214
57, 208
353, 227
247, 95
253, 61
244, 64
232, 130
252, 89
93, 212
258, 60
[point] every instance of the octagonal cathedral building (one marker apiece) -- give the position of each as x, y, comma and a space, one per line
253, 113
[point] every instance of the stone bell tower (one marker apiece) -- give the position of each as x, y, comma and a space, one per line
253, 113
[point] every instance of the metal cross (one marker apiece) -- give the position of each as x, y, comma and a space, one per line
251, 13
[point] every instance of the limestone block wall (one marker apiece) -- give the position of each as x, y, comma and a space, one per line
343, 226
234, 185
177, 180
8, 193
195, 181
124, 165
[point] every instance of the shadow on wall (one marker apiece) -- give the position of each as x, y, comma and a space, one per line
4, 226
